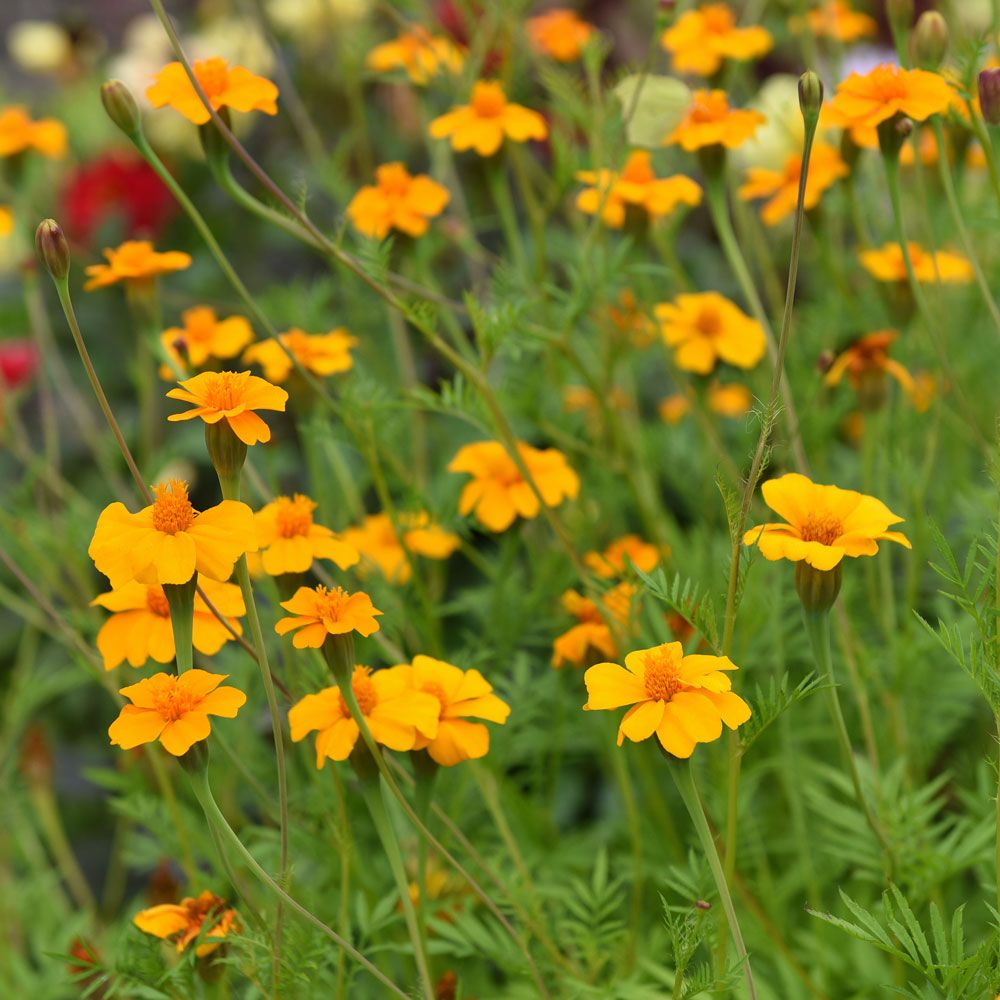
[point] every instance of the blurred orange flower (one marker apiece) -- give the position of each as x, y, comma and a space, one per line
486, 120
322, 354
837, 19
888, 90
318, 612
729, 399
591, 636
611, 562
18, 133
673, 409
887, 264
421, 54
705, 328
397, 200
701, 39
290, 540
135, 262
868, 356
709, 121
826, 167
204, 337
377, 540
231, 396
225, 86
206, 915
560, 33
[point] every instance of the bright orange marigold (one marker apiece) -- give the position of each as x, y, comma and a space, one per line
874, 97
705, 328
397, 200
225, 86
887, 264
322, 354
290, 540
826, 167
318, 612
419, 53
486, 120
837, 19
378, 542
592, 636
204, 337
710, 121
701, 39
560, 33
18, 133
206, 916
867, 359
136, 262
612, 561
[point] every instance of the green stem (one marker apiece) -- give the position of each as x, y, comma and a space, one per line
180, 597
504, 204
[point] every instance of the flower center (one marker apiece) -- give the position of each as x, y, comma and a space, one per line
173, 701
213, 75
294, 515
364, 692
225, 390
718, 20
824, 529
199, 325
709, 323
172, 510
156, 602
707, 108
435, 689
329, 603
488, 100
662, 677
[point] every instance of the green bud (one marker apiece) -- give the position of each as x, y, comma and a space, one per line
892, 133
121, 107
810, 96
52, 248
817, 588
227, 452
930, 40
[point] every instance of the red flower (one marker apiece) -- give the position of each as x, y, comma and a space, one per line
18, 362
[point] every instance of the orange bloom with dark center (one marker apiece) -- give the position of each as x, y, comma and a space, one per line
206, 916
233, 397
397, 200
174, 710
837, 19
869, 357
560, 33
710, 121
701, 39
486, 120
592, 635
887, 264
204, 337
318, 612
18, 133
322, 354
888, 90
379, 542
136, 262
705, 328
826, 167
290, 539
225, 86
419, 53
616, 558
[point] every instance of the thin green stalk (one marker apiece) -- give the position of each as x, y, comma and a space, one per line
500, 193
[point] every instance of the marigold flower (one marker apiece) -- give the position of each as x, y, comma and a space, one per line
420, 54
483, 123
290, 540
636, 185
205, 337
168, 541
887, 264
136, 262
174, 709
612, 561
888, 90
318, 612
498, 493
705, 328
673, 409
207, 916
710, 121
837, 19
683, 699
377, 540
397, 200
225, 86
729, 399
233, 397
560, 33
592, 636
867, 358
826, 167
825, 523
395, 713
322, 354
18, 133
701, 39
460, 695
139, 628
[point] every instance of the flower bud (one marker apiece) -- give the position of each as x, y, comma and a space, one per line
817, 588
52, 248
892, 133
121, 107
810, 97
226, 450
989, 95
930, 40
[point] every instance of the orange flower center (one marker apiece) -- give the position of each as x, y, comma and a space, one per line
294, 515
707, 108
718, 20
662, 677
173, 702
488, 101
329, 603
213, 75
156, 602
225, 390
822, 528
364, 692
172, 510
431, 687
298, 343
709, 323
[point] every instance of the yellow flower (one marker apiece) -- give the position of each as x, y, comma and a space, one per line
18, 133
729, 399
204, 337
560, 33
887, 264
709, 121
611, 562
826, 167
233, 397
420, 54
139, 628
174, 710
888, 90
397, 200
290, 540
135, 262
168, 541
701, 39
225, 86
636, 185
6, 220
318, 612
460, 695
705, 328
673, 409
866, 359
395, 713
498, 493
836, 19
592, 636
322, 354
684, 700
825, 523
206, 915
483, 123
376, 539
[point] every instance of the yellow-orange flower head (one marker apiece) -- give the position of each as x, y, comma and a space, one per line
323, 354
290, 539
318, 612
710, 121
486, 120
592, 637
18, 134
867, 358
206, 916
418, 53
837, 19
379, 542
704, 328
204, 337
781, 187
701, 39
225, 86
559, 33
398, 200
615, 559
874, 97
887, 264
135, 262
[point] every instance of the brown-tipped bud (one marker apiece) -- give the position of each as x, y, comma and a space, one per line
930, 40
121, 107
52, 248
892, 133
817, 588
900, 13
989, 95
825, 360
702, 904
810, 96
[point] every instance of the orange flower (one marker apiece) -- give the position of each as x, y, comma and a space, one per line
636, 185
888, 90
203, 337
225, 86
836, 19
887, 264
701, 39
139, 628
729, 399
460, 695
18, 133
709, 121
684, 700
233, 397
322, 354
290, 540
135, 262
825, 523
611, 562
629, 318
168, 541
705, 328
376, 539
397, 200
483, 123
174, 710
826, 167
498, 492
673, 409
560, 33
592, 636
184, 922
421, 54
866, 359
583, 399
395, 713
319, 612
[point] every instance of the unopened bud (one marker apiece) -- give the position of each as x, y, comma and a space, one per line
989, 95
817, 588
930, 40
226, 450
892, 133
810, 96
121, 107
52, 248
